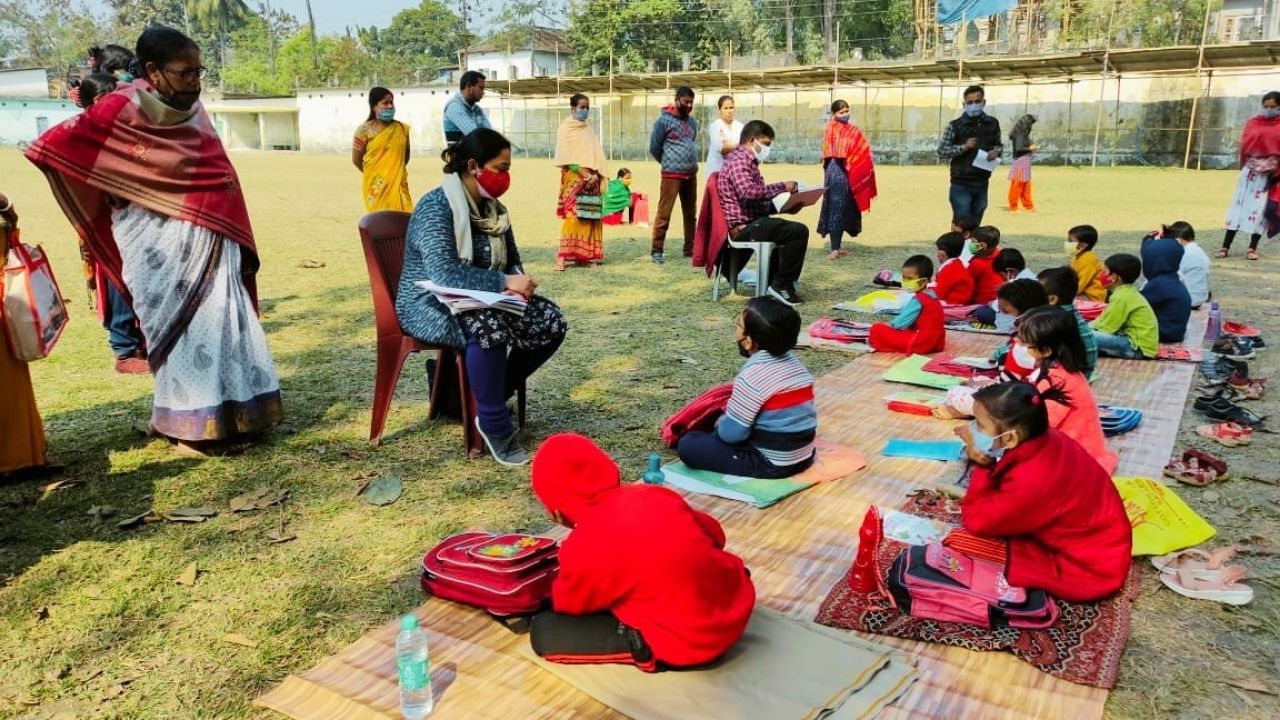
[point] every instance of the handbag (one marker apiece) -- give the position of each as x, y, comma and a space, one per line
588, 207
34, 313
508, 576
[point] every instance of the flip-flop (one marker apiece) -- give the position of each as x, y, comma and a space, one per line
1225, 588
1196, 562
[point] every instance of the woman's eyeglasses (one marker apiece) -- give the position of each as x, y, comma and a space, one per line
189, 75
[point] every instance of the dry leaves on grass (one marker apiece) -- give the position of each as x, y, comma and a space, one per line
57, 673
190, 515
188, 576
238, 639
42, 613
259, 499
383, 491
1252, 685
145, 518
276, 537
100, 513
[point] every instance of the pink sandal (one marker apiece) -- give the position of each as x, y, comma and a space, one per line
1229, 434
1224, 588
1196, 562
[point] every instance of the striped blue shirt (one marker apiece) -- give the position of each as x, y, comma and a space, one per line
771, 407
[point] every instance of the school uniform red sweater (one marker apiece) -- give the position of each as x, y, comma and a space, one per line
926, 335
1065, 523
642, 553
986, 281
955, 284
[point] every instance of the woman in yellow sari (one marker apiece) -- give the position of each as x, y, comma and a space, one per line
580, 157
380, 150
22, 445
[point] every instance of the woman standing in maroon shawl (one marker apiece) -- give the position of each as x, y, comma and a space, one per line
850, 179
1254, 206
145, 181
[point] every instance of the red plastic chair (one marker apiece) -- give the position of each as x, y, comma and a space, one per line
382, 235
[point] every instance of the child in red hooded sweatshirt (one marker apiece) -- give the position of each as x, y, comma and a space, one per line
985, 245
644, 578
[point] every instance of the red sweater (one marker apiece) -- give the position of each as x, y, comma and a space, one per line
641, 553
1064, 520
927, 336
1080, 421
986, 281
955, 285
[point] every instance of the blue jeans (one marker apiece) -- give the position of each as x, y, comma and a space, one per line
968, 201
706, 451
123, 334
1117, 346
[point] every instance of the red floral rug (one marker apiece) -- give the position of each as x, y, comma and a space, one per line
1084, 647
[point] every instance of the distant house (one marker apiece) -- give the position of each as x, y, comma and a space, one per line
1245, 20
543, 52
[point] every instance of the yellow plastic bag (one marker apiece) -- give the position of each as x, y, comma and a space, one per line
1162, 522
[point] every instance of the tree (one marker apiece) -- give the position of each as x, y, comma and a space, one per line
220, 17
51, 34
638, 31
421, 39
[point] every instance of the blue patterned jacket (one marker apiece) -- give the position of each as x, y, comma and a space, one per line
674, 142
431, 253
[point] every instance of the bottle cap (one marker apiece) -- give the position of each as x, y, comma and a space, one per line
409, 622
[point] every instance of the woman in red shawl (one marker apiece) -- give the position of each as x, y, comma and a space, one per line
850, 179
145, 181
1254, 206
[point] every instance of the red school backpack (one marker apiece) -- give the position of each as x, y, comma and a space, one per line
936, 582
509, 576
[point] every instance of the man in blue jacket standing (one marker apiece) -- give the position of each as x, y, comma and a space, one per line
674, 144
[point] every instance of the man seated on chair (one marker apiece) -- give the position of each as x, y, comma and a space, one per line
747, 203
644, 578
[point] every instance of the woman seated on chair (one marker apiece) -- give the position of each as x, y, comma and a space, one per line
460, 237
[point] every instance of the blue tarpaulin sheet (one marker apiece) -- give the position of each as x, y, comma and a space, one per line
951, 12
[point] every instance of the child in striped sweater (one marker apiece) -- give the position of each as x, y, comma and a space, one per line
769, 425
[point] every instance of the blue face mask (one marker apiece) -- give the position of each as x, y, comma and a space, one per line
582, 113
843, 118
387, 115
974, 109
125, 77
1270, 112
985, 443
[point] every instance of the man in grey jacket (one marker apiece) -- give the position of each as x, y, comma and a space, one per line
674, 144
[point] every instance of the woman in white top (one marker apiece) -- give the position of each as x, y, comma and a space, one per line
725, 132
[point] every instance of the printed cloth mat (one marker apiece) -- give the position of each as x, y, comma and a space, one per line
1085, 646
781, 668
830, 462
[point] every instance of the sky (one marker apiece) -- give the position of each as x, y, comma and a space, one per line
333, 16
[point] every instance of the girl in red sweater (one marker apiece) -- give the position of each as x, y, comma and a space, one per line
644, 578
1053, 339
1057, 510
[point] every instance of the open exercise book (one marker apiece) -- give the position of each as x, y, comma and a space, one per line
458, 300
804, 196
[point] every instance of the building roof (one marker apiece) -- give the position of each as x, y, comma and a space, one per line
985, 68
540, 39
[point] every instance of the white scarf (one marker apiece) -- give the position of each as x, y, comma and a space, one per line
494, 222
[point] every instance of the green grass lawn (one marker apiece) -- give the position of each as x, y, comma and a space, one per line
88, 610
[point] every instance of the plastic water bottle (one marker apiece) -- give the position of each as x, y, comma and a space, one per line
414, 670
1213, 330
653, 473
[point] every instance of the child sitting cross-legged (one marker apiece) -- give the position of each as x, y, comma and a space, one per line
1079, 246
644, 579
918, 327
1164, 291
985, 244
1060, 284
1127, 328
1035, 488
1011, 266
955, 285
1052, 338
770, 422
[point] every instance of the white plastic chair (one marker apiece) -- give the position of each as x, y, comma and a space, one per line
764, 257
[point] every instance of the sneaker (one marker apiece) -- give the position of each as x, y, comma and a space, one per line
785, 294
657, 258
132, 365
506, 451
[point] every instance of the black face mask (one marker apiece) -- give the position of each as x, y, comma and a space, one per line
684, 110
182, 101
741, 350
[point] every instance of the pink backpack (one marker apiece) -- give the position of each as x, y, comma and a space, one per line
936, 582
509, 576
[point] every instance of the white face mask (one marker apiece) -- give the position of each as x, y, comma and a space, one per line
762, 152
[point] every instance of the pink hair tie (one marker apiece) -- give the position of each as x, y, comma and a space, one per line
1035, 399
